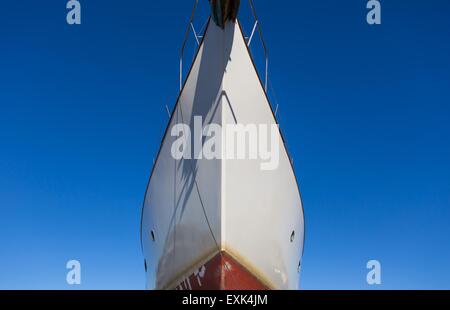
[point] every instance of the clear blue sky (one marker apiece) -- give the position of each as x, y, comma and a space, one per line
365, 110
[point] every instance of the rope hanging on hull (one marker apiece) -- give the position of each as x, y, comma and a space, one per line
224, 10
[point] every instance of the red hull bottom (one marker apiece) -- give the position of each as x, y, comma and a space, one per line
222, 272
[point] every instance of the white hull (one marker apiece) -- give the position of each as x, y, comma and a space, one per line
196, 209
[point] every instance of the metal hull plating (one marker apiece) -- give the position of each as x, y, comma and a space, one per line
201, 215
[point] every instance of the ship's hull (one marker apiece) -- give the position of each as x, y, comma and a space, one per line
221, 223
222, 272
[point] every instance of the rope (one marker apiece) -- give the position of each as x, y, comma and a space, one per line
188, 29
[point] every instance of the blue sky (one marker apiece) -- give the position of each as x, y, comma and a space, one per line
365, 111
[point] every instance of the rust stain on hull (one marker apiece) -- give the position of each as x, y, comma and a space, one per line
222, 272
